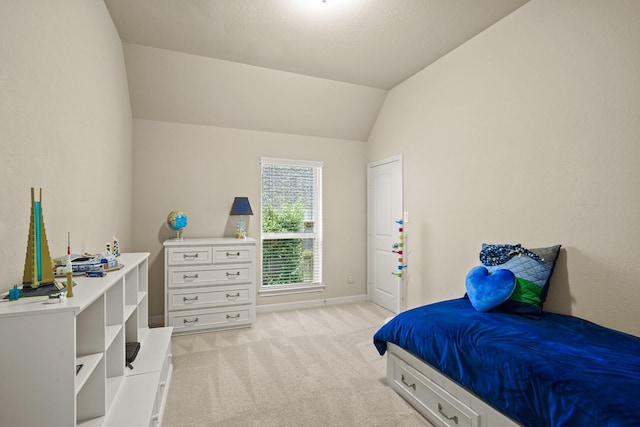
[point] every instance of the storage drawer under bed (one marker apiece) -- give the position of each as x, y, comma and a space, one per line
427, 397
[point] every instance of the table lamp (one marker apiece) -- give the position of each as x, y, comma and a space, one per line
241, 207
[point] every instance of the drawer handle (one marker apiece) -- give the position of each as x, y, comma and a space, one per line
413, 386
236, 295
189, 277
189, 256
235, 316
185, 299
233, 255
233, 275
454, 418
185, 321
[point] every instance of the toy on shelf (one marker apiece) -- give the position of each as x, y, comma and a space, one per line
87, 262
38, 270
115, 249
69, 268
14, 293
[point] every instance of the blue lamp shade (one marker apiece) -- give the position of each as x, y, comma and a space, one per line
241, 206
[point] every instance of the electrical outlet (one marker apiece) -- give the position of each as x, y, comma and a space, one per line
349, 278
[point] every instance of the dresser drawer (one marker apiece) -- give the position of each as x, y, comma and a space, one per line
195, 320
429, 398
183, 277
208, 297
232, 254
196, 255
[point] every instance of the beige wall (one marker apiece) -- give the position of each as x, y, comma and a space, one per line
65, 127
178, 87
200, 169
190, 154
529, 133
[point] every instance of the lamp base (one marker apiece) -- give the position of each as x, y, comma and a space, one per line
240, 227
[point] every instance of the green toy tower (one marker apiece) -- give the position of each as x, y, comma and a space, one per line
38, 269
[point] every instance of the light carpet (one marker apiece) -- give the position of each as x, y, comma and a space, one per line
310, 367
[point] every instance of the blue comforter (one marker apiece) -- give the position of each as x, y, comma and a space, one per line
557, 371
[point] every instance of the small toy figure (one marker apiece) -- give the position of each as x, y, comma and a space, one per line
95, 273
14, 293
115, 250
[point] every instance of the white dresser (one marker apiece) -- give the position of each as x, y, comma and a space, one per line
210, 284
43, 343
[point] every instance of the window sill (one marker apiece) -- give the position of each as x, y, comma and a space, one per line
273, 290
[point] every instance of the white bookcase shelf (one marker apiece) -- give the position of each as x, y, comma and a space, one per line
43, 342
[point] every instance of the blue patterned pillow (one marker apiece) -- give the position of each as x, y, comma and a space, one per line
532, 280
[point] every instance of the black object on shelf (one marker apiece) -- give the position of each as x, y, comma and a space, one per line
131, 351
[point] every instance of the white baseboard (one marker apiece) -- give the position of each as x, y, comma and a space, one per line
309, 304
157, 321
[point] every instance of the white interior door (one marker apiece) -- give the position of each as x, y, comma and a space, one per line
384, 208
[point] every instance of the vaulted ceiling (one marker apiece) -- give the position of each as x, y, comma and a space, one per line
371, 43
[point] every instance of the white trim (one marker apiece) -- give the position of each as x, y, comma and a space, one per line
291, 162
273, 290
309, 304
316, 236
398, 157
400, 303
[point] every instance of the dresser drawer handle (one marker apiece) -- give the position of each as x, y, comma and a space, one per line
235, 316
189, 277
233, 275
185, 299
236, 295
454, 418
233, 255
185, 321
189, 256
413, 386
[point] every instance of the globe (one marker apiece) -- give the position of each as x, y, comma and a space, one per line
177, 220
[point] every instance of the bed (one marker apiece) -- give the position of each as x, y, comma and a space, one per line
463, 367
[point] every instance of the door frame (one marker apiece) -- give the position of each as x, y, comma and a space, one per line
400, 301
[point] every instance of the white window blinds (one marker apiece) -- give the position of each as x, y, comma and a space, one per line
291, 222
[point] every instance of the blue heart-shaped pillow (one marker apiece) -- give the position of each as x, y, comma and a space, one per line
488, 290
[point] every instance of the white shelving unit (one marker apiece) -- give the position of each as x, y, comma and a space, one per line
42, 342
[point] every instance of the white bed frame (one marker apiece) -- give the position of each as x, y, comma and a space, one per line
439, 399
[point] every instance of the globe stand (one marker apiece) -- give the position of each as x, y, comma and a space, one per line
179, 234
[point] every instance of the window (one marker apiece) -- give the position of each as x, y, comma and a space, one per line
291, 225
